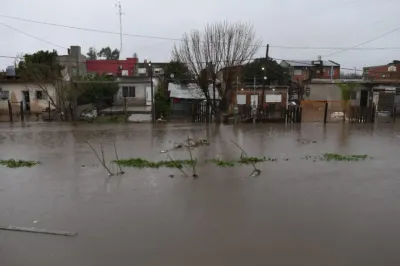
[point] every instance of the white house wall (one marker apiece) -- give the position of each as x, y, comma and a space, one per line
16, 96
140, 94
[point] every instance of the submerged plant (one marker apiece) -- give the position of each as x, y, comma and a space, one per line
11, 163
222, 163
143, 163
339, 157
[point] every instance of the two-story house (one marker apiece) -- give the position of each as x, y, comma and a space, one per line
303, 70
386, 72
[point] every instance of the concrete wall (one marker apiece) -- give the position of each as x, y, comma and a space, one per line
140, 95
329, 92
15, 96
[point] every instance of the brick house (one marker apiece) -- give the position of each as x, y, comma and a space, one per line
301, 70
274, 95
390, 71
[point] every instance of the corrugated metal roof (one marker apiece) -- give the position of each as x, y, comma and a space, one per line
190, 91
305, 63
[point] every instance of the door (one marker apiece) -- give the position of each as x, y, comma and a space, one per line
148, 96
364, 98
26, 101
254, 100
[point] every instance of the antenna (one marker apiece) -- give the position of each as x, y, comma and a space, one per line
120, 24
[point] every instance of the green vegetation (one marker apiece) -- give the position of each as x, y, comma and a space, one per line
338, 157
161, 102
243, 160
143, 163
11, 163
222, 163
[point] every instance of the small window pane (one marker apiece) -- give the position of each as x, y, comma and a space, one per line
131, 92
39, 95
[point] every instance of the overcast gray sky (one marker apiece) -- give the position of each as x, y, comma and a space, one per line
311, 23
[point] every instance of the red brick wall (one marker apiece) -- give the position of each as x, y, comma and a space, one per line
382, 72
111, 66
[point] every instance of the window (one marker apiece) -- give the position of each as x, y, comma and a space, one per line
4, 95
39, 95
128, 91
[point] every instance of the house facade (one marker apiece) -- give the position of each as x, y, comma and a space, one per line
135, 90
34, 97
386, 72
112, 67
143, 69
276, 96
303, 70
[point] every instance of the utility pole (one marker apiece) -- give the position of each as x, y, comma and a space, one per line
120, 24
153, 113
236, 108
264, 68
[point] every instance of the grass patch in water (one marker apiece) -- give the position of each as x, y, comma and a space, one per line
11, 163
143, 163
339, 157
222, 163
243, 160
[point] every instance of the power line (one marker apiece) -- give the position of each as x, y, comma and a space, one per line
177, 39
30, 35
370, 40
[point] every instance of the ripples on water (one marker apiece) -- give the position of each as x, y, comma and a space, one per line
296, 213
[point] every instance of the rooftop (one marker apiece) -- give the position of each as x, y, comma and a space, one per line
305, 63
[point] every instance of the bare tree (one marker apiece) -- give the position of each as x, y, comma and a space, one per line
50, 81
219, 48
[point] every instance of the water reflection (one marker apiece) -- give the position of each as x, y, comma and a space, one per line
297, 212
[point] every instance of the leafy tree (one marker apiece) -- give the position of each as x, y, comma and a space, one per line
180, 72
92, 53
43, 62
100, 94
161, 102
108, 54
346, 89
272, 70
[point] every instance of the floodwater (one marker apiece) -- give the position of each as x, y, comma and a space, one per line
298, 212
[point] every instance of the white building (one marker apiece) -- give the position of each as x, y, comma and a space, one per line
33, 97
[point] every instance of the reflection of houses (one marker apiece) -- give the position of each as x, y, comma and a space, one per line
184, 96
32, 96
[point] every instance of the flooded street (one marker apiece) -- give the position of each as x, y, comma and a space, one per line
298, 212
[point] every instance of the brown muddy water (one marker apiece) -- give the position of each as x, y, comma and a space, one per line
298, 212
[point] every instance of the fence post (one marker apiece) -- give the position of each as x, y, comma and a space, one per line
21, 108
326, 112
10, 111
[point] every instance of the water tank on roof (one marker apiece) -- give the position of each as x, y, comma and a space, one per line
10, 71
